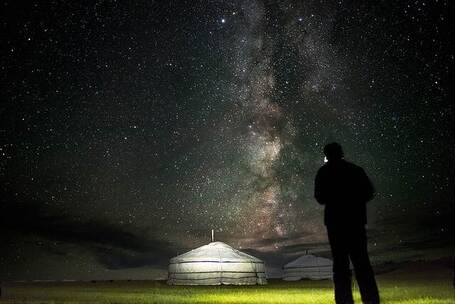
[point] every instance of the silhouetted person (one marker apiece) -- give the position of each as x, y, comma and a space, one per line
344, 189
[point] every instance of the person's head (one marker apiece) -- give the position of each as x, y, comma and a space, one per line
333, 151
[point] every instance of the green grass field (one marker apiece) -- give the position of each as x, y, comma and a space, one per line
409, 291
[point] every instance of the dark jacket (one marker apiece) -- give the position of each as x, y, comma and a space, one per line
344, 189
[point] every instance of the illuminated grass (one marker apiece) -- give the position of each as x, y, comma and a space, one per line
401, 292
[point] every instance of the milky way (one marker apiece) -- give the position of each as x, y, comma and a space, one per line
130, 130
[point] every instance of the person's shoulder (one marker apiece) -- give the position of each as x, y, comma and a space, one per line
357, 170
323, 169
352, 166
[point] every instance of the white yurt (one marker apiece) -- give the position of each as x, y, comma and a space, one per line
215, 264
308, 267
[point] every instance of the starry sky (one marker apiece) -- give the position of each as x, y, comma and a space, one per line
130, 129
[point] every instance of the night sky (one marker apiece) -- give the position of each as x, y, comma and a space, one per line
130, 129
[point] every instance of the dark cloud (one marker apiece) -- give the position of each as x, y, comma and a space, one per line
113, 246
429, 224
119, 258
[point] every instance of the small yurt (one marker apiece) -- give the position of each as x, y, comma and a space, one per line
215, 264
308, 267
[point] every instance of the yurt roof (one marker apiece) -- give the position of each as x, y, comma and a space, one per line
309, 260
215, 252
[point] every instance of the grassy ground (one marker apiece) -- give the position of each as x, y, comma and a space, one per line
392, 291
